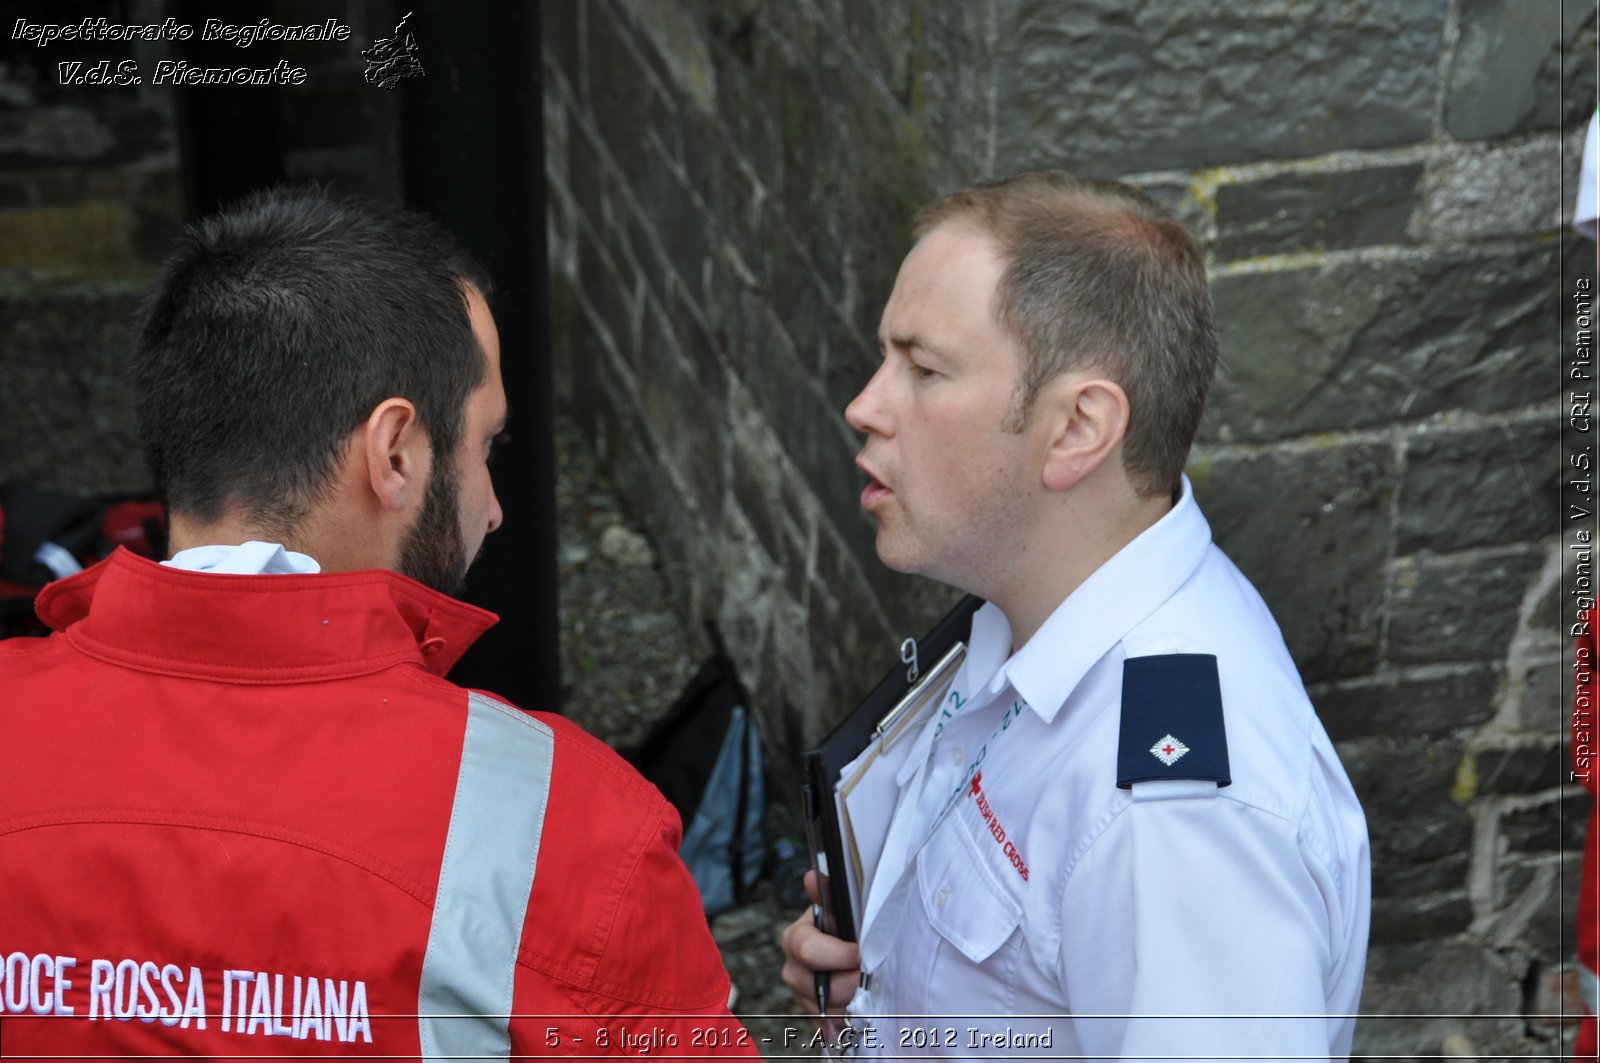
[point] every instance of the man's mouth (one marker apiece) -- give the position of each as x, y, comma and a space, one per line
875, 492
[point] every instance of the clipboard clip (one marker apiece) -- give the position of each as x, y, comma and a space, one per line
908, 656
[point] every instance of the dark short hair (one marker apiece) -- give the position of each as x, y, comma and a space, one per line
274, 330
1099, 276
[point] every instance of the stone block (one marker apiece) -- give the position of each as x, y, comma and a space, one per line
1315, 211
66, 418
1434, 703
677, 38
562, 29
952, 84
1309, 527
685, 416
1107, 88
754, 129
1411, 902
1480, 486
108, 132
86, 238
1525, 769
1510, 64
1545, 613
798, 298
885, 39
1557, 824
588, 174
669, 243
1545, 689
1437, 990
1420, 918
756, 465
1396, 882
1405, 788
1478, 193
1457, 609
635, 465
807, 425
604, 283
1538, 901
1363, 343
575, 351
628, 100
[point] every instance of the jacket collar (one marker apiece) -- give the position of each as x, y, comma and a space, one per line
263, 629
1100, 612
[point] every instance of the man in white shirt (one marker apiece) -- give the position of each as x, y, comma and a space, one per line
1126, 834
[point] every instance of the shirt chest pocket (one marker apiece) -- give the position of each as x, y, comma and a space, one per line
963, 901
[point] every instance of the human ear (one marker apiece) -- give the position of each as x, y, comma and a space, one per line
394, 451
1087, 418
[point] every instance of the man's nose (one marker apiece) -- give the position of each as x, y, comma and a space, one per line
496, 517
865, 412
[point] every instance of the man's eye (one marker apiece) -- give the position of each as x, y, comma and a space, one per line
922, 372
497, 444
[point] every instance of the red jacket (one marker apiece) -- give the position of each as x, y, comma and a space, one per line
246, 815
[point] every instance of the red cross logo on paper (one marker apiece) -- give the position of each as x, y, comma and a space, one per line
1168, 749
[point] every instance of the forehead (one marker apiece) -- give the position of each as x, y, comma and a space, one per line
490, 396
483, 327
946, 284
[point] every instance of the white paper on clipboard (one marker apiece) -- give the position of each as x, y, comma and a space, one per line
867, 791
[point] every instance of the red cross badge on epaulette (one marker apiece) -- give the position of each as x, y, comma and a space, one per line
1167, 750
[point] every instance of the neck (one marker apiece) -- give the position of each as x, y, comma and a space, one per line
339, 544
1079, 535
232, 529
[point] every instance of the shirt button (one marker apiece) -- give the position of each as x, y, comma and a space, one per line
941, 898
431, 646
957, 756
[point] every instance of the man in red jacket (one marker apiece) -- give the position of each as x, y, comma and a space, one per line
242, 812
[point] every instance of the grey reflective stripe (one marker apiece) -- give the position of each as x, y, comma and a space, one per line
1589, 985
464, 1003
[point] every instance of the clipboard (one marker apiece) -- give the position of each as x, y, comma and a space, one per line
881, 712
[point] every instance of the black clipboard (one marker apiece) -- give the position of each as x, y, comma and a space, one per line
821, 766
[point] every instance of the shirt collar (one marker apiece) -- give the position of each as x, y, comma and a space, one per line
253, 558
1102, 610
290, 628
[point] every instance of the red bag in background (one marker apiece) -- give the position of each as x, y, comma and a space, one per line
45, 535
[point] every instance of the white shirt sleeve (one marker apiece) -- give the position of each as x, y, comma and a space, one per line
1212, 933
1583, 218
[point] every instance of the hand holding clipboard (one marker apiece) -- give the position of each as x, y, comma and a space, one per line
844, 853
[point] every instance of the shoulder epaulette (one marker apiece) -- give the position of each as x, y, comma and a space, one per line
1172, 720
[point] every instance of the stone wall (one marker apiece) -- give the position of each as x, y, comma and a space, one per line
1380, 187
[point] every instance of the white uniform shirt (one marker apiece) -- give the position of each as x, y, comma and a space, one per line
1046, 911
1586, 210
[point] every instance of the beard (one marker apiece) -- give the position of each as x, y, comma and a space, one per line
433, 553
